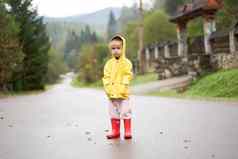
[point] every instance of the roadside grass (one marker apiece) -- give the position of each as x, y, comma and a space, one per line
138, 79
221, 85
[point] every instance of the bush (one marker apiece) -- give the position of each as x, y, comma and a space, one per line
91, 62
56, 66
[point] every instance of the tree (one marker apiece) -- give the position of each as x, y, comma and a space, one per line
128, 14
231, 8
195, 27
158, 30
10, 50
56, 66
91, 62
35, 43
94, 37
171, 6
228, 15
155, 31
112, 26
75, 42
131, 34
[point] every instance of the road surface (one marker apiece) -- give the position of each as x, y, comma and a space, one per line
70, 123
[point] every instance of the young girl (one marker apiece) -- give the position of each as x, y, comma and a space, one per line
116, 80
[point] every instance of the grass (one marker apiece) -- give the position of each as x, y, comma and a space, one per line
77, 83
138, 79
22, 93
143, 79
175, 94
220, 85
167, 93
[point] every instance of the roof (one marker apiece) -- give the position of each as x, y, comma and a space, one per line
195, 9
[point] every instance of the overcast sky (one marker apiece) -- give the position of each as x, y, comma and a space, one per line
61, 8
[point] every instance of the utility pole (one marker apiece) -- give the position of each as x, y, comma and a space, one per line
141, 55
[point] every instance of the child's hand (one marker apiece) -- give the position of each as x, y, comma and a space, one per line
114, 103
124, 90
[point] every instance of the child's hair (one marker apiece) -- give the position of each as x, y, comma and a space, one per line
117, 38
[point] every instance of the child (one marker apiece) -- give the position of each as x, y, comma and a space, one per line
117, 76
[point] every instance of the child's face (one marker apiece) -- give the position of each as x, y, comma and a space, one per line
116, 48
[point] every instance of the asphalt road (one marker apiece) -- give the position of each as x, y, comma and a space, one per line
71, 123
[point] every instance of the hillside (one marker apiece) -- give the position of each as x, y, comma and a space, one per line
97, 20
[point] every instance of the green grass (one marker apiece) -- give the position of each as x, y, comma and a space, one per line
167, 93
220, 85
175, 94
23, 93
138, 79
77, 83
20, 93
142, 79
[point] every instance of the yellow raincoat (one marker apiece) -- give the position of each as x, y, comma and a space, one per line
117, 75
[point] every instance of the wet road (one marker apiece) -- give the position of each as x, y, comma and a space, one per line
70, 123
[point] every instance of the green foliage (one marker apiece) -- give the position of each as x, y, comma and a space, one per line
171, 6
91, 61
78, 83
220, 84
10, 50
158, 28
56, 66
72, 44
167, 93
231, 8
35, 43
75, 42
137, 80
142, 79
58, 32
131, 35
228, 15
195, 27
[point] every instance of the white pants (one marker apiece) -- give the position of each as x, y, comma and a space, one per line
120, 109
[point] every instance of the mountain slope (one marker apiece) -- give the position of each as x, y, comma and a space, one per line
97, 20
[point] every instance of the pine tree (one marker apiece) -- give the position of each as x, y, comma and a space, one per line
87, 34
10, 50
35, 43
94, 37
112, 26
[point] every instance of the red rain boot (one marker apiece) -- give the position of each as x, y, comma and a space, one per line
115, 133
127, 126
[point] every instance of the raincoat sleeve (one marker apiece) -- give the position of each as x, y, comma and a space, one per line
106, 76
128, 75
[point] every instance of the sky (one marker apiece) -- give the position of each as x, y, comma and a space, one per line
62, 8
